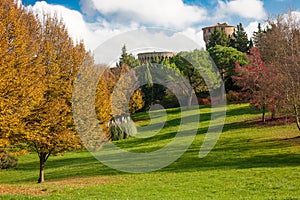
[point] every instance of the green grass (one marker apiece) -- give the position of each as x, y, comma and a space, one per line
250, 161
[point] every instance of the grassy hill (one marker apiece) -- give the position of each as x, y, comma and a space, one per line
250, 161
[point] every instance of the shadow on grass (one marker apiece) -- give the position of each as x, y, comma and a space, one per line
240, 153
234, 155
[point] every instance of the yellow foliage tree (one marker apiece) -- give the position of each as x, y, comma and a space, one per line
123, 96
19, 70
49, 127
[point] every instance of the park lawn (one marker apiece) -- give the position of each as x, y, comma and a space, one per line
250, 161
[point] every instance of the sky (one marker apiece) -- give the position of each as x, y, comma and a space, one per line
96, 21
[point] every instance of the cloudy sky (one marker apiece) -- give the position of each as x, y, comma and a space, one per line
95, 21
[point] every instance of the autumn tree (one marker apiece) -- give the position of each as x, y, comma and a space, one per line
124, 97
91, 103
258, 81
280, 49
19, 69
103, 99
49, 126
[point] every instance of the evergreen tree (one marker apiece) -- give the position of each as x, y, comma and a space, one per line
127, 59
218, 37
225, 59
257, 35
251, 44
240, 41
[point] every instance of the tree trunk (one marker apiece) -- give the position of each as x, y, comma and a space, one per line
42, 166
273, 115
263, 118
189, 100
223, 95
297, 116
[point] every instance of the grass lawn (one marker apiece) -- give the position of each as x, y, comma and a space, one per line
250, 161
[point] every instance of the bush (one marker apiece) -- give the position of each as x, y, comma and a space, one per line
204, 101
237, 97
121, 127
7, 161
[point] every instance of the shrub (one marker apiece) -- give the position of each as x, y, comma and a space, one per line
7, 161
121, 127
204, 101
237, 97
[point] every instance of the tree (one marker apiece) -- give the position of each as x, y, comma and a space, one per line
225, 59
91, 103
19, 69
218, 37
196, 66
257, 35
280, 49
103, 100
123, 97
49, 127
258, 81
240, 41
127, 59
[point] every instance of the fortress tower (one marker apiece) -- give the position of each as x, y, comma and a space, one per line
207, 31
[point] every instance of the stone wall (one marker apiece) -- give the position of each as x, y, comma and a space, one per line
149, 56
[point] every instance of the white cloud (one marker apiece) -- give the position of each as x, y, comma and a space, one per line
251, 9
251, 28
73, 20
163, 13
92, 34
195, 35
95, 33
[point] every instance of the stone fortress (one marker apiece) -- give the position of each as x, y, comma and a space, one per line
228, 29
147, 57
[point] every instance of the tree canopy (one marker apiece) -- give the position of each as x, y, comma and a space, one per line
218, 37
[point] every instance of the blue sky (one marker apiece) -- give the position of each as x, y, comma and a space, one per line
93, 20
272, 6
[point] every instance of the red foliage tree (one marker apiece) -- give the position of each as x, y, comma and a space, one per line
257, 80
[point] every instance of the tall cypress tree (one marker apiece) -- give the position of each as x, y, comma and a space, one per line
241, 42
257, 35
218, 37
127, 59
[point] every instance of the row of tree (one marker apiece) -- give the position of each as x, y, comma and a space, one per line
38, 68
273, 76
265, 68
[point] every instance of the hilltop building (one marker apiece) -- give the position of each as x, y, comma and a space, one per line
150, 56
207, 31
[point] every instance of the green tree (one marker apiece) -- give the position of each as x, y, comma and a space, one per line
225, 59
257, 35
240, 41
127, 59
197, 66
218, 37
